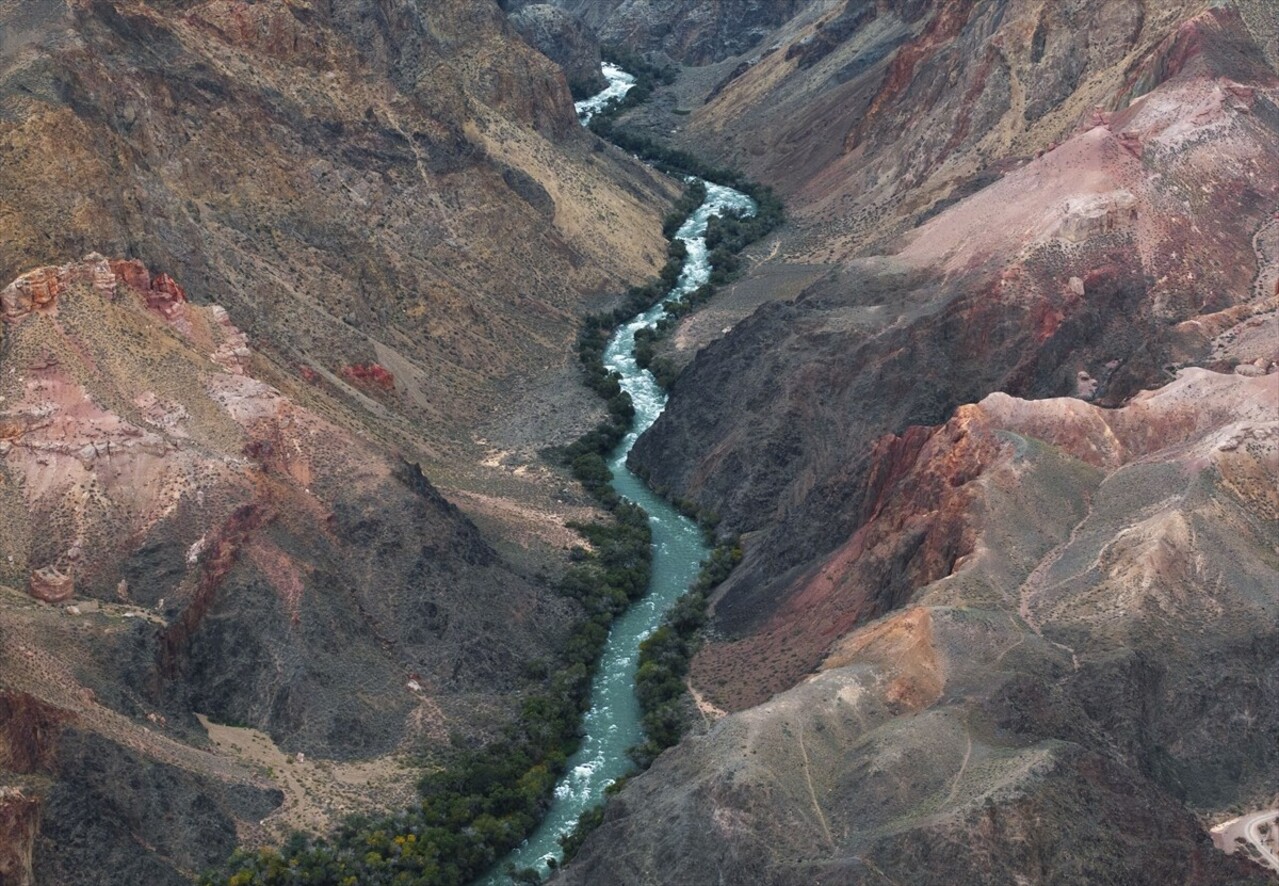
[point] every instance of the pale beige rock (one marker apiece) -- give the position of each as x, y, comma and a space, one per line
51, 585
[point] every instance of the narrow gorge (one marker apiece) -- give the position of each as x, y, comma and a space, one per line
639, 442
611, 727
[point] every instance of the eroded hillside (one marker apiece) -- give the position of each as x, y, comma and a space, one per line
1081, 648
995, 418
212, 547
344, 240
1140, 244
402, 184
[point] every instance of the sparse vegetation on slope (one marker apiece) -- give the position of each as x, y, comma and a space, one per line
484, 802
664, 657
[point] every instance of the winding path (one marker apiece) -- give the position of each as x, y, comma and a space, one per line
1249, 828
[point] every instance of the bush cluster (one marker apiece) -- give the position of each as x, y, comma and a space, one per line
648, 76
665, 656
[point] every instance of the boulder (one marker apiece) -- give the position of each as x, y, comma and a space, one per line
51, 585
1083, 218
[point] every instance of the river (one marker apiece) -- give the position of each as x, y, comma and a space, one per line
612, 725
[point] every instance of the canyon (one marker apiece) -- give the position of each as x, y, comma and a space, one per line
961, 648
290, 297
267, 269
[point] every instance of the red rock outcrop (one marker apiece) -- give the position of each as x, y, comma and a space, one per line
39, 290
50, 585
165, 295
19, 826
371, 375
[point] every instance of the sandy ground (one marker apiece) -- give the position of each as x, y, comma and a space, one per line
317, 793
1256, 834
709, 711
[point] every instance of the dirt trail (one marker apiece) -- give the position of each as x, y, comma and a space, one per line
316, 792
1256, 832
709, 711
812, 793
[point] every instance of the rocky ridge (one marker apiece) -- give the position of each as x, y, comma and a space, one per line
1053, 636
996, 419
1082, 272
213, 546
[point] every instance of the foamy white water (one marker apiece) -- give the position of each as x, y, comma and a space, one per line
612, 724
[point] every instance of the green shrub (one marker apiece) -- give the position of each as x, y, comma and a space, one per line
665, 656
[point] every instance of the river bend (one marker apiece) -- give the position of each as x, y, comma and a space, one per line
612, 724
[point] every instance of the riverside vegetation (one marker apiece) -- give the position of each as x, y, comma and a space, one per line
486, 801
726, 235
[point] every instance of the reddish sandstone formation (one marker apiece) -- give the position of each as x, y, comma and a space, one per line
370, 375
19, 825
50, 585
165, 295
39, 290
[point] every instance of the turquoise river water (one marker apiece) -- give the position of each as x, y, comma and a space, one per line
612, 725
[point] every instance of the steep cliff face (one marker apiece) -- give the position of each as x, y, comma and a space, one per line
1086, 271
1087, 640
565, 40
989, 583
398, 183
690, 33
218, 548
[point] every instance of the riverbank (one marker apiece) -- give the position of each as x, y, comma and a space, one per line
572, 738
614, 724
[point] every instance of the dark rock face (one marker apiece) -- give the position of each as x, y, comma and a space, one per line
692, 33
564, 40
108, 800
